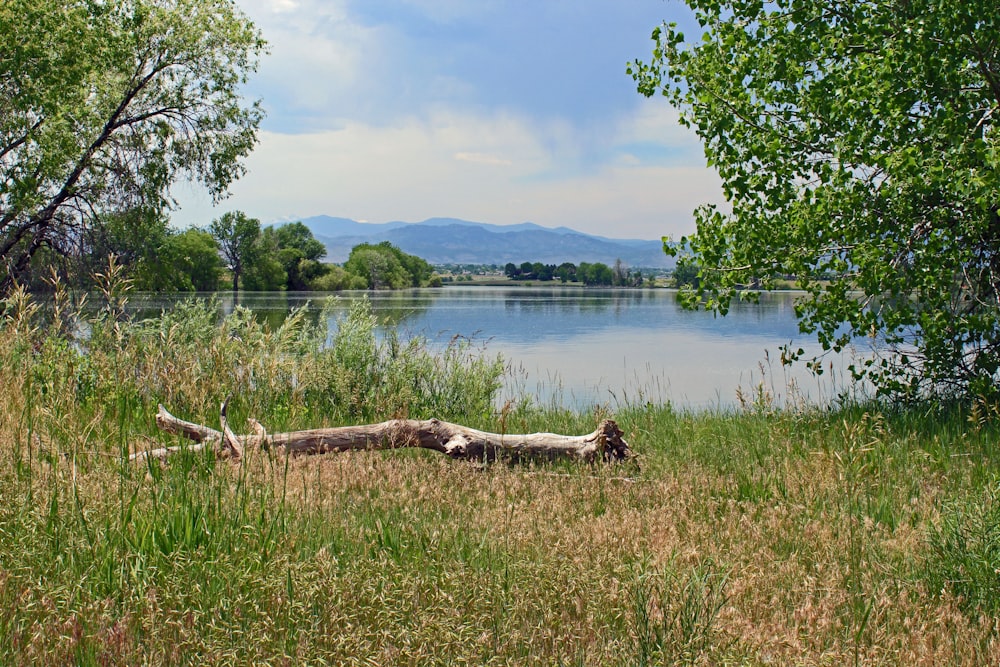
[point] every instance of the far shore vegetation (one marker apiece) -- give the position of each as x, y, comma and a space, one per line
235, 252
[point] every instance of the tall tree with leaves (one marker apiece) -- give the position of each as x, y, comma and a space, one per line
858, 148
192, 262
384, 266
299, 253
297, 236
237, 235
135, 238
105, 103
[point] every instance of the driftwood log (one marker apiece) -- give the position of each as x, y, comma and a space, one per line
454, 440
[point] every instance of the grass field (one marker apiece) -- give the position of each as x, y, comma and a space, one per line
859, 536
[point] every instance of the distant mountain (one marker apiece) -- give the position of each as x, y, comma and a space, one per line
450, 240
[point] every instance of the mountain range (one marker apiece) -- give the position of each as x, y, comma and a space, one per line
454, 241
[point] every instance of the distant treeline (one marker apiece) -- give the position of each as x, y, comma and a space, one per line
597, 274
234, 252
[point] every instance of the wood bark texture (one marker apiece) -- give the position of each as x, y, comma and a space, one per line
457, 441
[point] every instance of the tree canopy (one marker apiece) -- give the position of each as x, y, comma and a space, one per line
194, 261
237, 234
299, 253
286, 257
384, 266
296, 236
106, 103
857, 145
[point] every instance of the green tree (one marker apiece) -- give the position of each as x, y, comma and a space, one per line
286, 257
620, 274
596, 274
296, 235
265, 270
336, 278
135, 237
301, 273
418, 268
194, 262
566, 272
686, 275
379, 267
106, 104
856, 141
237, 235
384, 266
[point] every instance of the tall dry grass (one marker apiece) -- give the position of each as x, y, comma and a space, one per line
759, 537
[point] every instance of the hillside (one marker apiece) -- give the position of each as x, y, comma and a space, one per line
450, 240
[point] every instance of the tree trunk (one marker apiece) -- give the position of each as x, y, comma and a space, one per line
454, 440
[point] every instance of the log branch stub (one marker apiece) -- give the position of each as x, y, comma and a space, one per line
454, 440
171, 424
232, 441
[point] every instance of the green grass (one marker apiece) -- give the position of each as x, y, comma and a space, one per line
755, 537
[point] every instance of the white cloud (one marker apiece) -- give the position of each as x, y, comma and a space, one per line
318, 61
281, 6
494, 168
482, 158
654, 120
370, 120
632, 202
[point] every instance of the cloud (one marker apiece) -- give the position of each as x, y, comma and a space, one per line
319, 65
500, 112
379, 60
482, 158
280, 6
497, 168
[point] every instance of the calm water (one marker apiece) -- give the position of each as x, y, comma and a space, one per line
582, 347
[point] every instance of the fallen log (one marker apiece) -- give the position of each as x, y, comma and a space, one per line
454, 440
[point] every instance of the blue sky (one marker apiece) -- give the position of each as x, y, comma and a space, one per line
488, 110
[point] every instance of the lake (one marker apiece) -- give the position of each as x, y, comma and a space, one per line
580, 347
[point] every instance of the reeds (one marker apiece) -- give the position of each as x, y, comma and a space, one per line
855, 536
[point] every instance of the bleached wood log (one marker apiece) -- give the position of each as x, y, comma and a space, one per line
454, 440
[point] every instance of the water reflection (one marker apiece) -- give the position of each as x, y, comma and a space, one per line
393, 308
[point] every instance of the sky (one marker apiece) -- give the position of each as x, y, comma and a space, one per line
498, 111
